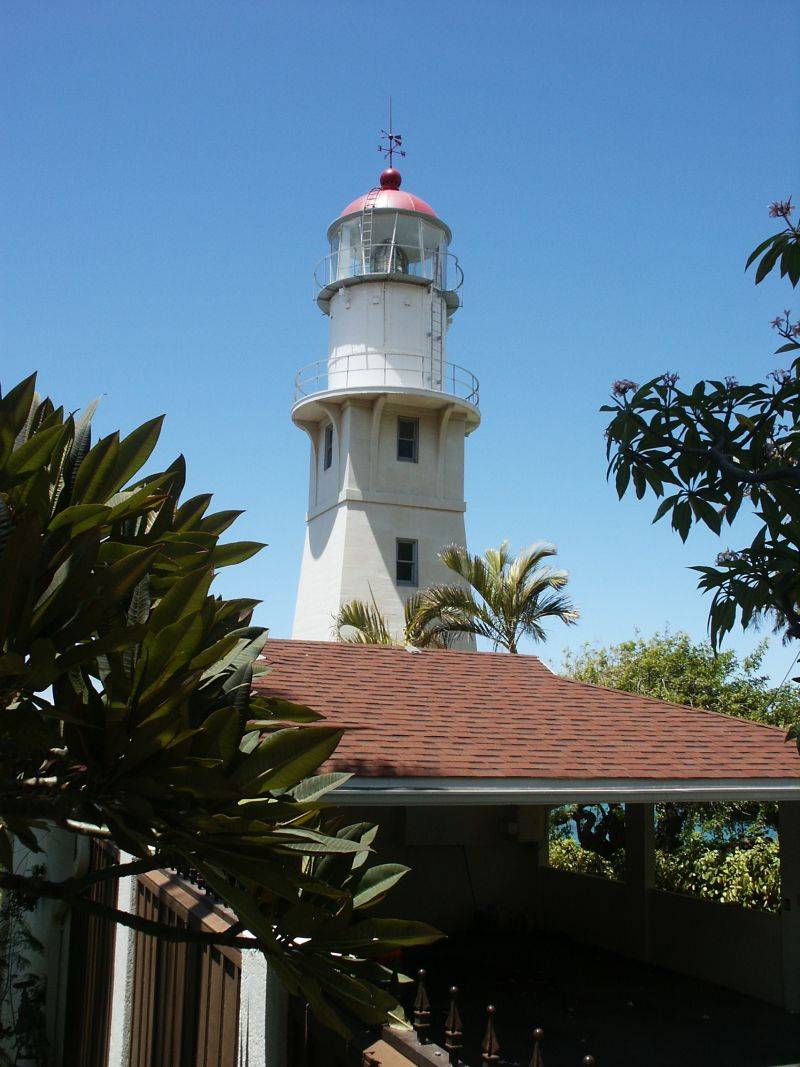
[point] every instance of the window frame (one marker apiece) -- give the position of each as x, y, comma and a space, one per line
327, 447
414, 458
413, 582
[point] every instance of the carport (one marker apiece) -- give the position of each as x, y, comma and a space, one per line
459, 755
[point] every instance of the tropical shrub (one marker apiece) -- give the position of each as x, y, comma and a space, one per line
127, 712
746, 876
501, 597
567, 855
749, 877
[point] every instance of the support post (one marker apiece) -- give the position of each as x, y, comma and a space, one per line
123, 972
640, 864
263, 1013
789, 846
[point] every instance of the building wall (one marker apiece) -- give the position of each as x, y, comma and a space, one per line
367, 499
468, 870
390, 321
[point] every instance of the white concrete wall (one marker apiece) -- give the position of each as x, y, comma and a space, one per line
367, 499
386, 326
123, 971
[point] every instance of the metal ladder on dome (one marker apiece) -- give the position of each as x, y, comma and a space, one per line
437, 336
367, 213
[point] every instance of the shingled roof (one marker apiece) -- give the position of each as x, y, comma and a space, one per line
471, 716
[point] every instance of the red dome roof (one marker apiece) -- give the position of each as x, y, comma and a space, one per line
391, 197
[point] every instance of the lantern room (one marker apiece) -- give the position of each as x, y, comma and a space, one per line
389, 234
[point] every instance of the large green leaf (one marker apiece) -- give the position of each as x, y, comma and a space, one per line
286, 756
376, 881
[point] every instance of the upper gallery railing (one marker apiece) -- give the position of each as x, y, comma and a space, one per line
442, 269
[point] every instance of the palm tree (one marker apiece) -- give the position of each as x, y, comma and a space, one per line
504, 598
360, 623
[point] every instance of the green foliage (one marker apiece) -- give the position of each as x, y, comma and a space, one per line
716, 446
501, 597
22, 1018
127, 706
720, 851
567, 855
671, 667
749, 877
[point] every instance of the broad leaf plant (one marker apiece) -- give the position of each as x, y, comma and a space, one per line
128, 714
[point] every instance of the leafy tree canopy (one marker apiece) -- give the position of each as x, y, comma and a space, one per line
714, 446
127, 711
672, 667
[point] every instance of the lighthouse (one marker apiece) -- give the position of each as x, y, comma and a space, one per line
387, 413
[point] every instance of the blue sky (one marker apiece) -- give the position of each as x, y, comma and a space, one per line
170, 171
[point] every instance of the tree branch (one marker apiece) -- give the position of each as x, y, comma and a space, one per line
748, 477
178, 935
117, 870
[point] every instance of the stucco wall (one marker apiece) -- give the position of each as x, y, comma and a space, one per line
735, 947
585, 907
466, 871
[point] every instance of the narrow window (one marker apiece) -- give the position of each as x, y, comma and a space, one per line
406, 562
408, 440
328, 450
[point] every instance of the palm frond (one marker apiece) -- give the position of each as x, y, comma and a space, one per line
359, 623
512, 594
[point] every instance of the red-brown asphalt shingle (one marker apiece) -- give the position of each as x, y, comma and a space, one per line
492, 715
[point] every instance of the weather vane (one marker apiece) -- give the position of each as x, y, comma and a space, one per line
390, 142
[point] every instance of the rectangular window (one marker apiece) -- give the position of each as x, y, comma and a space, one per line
408, 440
406, 562
328, 450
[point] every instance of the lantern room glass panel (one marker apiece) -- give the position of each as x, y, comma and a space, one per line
400, 244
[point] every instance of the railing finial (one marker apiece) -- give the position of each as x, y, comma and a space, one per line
452, 1029
422, 1009
537, 1060
490, 1050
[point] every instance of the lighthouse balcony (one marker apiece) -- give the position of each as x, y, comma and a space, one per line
387, 261
431, 381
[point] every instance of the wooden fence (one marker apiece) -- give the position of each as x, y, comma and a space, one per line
185, 1008
90, 973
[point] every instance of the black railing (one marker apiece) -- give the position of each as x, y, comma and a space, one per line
453, 1037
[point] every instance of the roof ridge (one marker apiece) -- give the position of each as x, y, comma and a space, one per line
359, 648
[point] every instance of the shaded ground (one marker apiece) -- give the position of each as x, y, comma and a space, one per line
591, 1001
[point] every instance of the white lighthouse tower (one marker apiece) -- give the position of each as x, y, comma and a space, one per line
386, 412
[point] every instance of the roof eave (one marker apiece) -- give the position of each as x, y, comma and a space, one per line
403, 792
